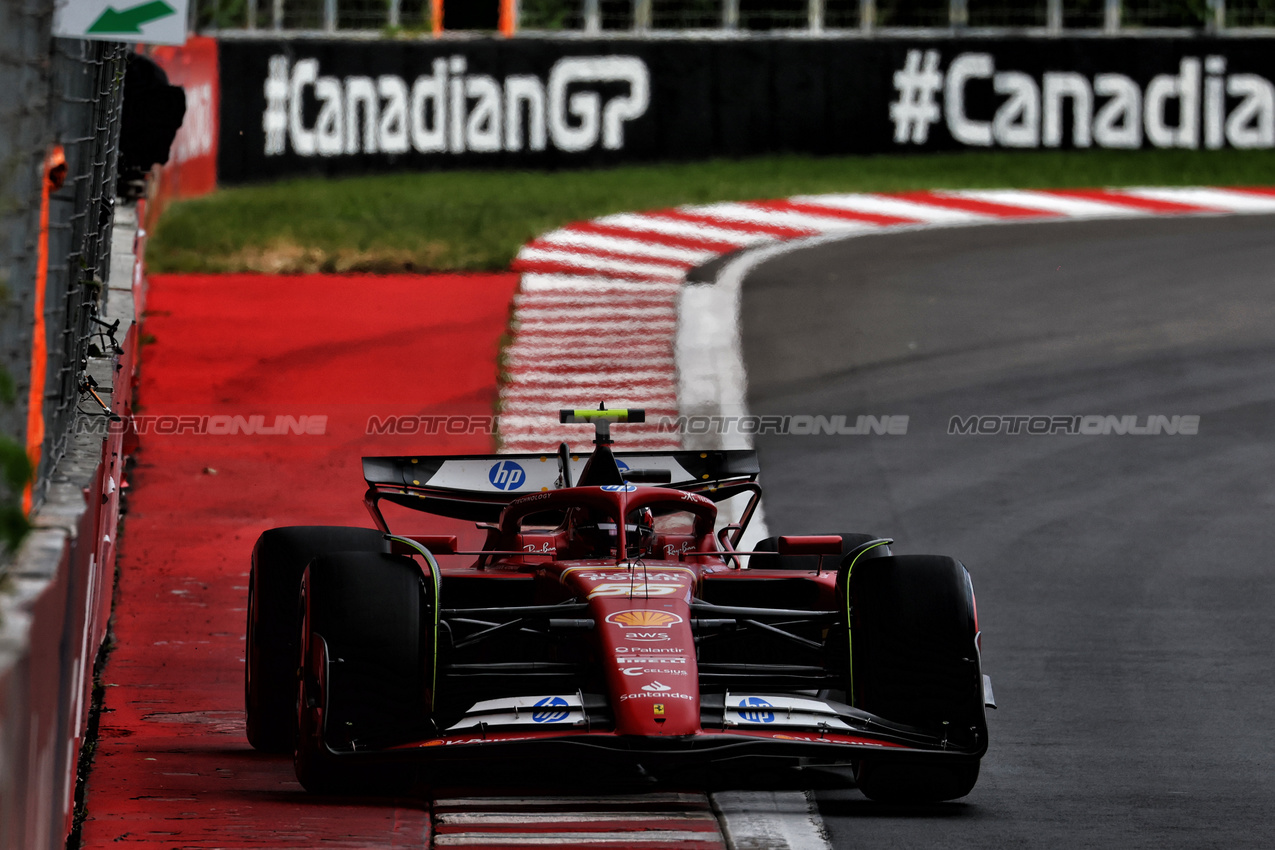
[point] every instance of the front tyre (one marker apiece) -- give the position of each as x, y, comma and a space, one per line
274, 623
367, 660
902, 784
915, 660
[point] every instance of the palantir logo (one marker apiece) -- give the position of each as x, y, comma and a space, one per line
506, 475
748, 710
553, 710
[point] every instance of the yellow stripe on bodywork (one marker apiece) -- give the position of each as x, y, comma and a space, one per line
849, 630
437, 575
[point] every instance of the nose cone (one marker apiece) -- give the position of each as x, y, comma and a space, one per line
643, 638
651, 670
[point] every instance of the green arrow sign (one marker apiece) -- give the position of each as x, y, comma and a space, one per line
130, 20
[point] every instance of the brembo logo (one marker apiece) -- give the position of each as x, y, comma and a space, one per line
586, 101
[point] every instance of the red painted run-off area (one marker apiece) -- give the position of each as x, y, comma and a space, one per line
173, 769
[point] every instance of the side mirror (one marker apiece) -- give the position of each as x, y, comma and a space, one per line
810, 544
647, 476
439, 544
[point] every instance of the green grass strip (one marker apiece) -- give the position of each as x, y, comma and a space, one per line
476, 220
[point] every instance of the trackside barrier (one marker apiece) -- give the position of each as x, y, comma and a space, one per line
336, 108
56, 615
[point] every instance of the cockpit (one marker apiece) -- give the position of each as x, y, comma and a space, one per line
663, 525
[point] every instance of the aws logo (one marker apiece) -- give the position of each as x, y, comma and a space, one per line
644, 619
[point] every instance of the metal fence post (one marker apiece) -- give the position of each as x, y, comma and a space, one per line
641, 15
1217, 16
276, 14
1111, 17
958, 13
592, 17
395, 12
329, 15
867, 15
730, 14
252, 14
814, 15
1054, 17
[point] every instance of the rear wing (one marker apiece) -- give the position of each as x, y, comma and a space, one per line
477, 487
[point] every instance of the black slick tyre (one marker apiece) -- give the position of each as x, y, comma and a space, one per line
274, 623
915, 661
368, 657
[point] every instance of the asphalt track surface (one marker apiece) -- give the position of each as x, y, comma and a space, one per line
1125, 583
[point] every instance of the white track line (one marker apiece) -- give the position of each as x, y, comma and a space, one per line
1057, 204
636, 326
665, 311
594, 263
544, 281
521, 818
885, 205
569, 239
661, 797
780, 218
675, 227
1219, 199
575, 839
770, 820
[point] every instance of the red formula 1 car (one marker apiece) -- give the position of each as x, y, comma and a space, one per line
606, 614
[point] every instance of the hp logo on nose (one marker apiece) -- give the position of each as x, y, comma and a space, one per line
506, 475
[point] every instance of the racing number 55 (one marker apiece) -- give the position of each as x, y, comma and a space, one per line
624, 588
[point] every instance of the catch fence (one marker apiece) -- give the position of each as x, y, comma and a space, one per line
58, 98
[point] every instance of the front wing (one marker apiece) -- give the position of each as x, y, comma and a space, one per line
735, 726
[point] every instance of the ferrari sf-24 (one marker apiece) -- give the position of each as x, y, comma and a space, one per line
606, 614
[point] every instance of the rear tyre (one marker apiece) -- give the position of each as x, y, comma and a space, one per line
915, 660
849, 540
368, 658
274, 623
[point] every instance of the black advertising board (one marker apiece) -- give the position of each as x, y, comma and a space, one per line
342, 107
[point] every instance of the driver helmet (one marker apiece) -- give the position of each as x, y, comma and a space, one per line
639, 532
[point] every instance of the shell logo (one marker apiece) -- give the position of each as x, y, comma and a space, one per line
643, 619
